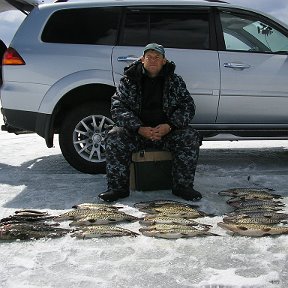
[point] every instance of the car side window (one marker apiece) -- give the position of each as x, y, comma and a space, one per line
177, 29
135, 32
247, 33
81, 26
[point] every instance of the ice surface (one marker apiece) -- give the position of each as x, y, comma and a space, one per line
33, 176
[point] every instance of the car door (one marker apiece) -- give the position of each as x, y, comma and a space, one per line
254, 70
187, 38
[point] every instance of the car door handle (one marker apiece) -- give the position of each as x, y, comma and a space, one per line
127, 58
235, 65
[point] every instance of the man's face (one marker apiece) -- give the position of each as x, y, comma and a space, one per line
153, 62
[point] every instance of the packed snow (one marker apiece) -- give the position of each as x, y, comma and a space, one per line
33, 176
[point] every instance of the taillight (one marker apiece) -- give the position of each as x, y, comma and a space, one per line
12, 57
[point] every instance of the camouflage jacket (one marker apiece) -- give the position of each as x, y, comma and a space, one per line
178, 105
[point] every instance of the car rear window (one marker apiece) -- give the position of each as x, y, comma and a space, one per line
96, 26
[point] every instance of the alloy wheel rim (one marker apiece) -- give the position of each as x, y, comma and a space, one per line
89, 135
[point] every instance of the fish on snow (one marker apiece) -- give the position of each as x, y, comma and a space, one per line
250, 193
178, 231
102, 231
103, 218
158, 219
254, 230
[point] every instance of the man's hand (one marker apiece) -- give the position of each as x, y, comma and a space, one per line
161, 130
146, 132
156, 133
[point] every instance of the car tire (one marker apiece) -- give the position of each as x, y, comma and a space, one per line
81, 137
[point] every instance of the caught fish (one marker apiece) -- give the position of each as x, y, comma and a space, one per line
258, 208
252, 220
257, 196
154, 219
83, 213
175, 211
156, 203
252, 202
103, 218
236, 192
254, 230
250, 194
171, 226
96, 206
260, 213
8, 220
103, 231
21, 218
23, 231
30, 213
27, 215
175, 232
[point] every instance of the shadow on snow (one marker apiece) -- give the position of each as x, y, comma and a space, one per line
51, 183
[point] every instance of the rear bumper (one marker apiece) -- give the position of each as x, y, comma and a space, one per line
19, 122
16, 120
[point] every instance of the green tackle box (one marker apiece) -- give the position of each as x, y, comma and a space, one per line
151, 170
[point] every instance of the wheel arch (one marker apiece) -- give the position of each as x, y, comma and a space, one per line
89, 93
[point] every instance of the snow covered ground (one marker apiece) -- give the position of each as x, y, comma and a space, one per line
33, 176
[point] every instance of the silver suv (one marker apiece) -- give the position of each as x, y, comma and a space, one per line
66, 59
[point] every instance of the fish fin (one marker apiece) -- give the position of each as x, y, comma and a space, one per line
134, 219
111, 220
203, 214
212, 234
195, 206
266, 230
107, 234
243, 228
210, 215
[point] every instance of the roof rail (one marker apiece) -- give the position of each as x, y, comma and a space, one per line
219, 1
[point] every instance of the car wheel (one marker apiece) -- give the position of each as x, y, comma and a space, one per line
81, 137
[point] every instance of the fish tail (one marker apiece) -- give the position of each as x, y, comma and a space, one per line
134, 234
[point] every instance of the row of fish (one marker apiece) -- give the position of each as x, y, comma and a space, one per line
30, 224
165, 219
171, 220
258, 212
90, 220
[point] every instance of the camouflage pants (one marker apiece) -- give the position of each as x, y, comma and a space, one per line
182, 143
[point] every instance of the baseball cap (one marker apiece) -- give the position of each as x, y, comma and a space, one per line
156, 47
